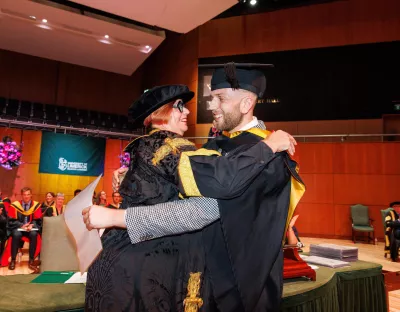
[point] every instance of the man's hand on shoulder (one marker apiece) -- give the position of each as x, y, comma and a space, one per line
280, 141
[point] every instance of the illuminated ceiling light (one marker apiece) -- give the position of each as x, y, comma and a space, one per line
105, 41
44, 20
106, 36
253, 2
43, 26
146, 49
32, 17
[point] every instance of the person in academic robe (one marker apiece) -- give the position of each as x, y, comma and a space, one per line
250, 220
116, 201
24, 220
58, 207
168, 273
48, 203
3, 225
392, 232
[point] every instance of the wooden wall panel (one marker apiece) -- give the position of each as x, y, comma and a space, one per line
27, 77
359, 189
358, 158
315, 157
390, 158
311, 222
342, 217
30, 78
331, 24
319, 188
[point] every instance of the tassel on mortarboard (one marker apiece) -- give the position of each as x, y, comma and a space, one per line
230, 71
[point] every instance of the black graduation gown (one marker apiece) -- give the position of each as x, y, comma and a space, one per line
392, 234
244, 249
154, 275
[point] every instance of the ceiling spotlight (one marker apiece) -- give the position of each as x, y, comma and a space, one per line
147, 47
105, 41
44, 20
32, 17
106, 36
253, 2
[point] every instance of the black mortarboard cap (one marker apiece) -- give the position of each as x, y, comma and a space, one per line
246, 76
153, 99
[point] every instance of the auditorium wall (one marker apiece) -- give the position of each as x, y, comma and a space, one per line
36, 79
11, 181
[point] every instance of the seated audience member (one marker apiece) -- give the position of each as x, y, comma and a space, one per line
76, 192
101, 199
116, 201
3, 226
48, 203
392, 231
24, 220
58, 207
94, 199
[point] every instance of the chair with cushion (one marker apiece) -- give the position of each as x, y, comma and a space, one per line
361, 222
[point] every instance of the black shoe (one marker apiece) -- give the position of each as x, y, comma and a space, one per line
11, 266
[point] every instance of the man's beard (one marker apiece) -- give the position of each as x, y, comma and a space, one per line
230, 121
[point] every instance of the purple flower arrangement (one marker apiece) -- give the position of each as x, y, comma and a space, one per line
10, 153
125, 160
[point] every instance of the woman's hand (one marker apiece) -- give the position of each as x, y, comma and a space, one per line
118, 176
96, 217
280, 141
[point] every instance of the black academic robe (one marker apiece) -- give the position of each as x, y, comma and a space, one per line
244, 249
392, 234
159, 274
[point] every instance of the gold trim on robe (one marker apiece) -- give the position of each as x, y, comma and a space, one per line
17, 205
170, 146
192, 302
185, 170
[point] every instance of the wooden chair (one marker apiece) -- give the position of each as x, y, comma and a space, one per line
361, 222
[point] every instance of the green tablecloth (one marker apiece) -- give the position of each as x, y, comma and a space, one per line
359, 288
18, 294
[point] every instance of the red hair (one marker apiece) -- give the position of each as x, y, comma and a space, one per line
160, 116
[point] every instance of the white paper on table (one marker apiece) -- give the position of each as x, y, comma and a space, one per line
77, 278
88, 243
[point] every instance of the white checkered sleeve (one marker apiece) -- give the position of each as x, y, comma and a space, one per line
149, 222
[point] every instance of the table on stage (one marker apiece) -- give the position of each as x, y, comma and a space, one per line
359, 287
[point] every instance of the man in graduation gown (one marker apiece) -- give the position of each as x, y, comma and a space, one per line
24, 220
392, 231
243, 249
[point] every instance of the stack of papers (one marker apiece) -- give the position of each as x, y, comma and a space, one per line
331, 263
333, 251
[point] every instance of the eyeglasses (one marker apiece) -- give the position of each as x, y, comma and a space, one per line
179, 105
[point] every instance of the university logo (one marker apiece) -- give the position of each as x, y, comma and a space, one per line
63, 165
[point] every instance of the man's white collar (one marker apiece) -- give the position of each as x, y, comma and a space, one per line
251, 124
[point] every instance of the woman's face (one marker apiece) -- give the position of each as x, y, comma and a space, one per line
178, 120
49, 198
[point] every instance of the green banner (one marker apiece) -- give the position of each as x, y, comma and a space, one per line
72, 154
